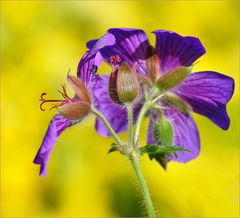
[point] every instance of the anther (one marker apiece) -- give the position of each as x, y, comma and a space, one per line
114, 60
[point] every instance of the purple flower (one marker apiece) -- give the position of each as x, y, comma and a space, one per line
204, 92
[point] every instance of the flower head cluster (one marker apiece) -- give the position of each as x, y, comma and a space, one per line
157, 81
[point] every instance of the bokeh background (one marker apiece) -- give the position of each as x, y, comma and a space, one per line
40, 41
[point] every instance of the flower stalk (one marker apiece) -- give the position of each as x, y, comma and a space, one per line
146, 195
113, 133
144, 109
130, 122
133, 153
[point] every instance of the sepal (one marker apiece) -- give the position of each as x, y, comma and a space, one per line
173, 78
79, 88
75, 111
177, 102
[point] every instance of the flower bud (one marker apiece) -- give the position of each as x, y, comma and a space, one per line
163, 136
123, 84
163, 132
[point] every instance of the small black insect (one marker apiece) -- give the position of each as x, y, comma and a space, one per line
94, 69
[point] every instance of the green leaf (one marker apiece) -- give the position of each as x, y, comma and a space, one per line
163, 132
161, 153
173, 78
154, 149
160, 158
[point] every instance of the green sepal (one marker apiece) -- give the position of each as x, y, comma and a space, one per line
163, 132
113, 148
173, 78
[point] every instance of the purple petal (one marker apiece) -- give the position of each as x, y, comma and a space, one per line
92, 59
208, 93
91, 43
88, 67
185, 134
131, 45
114, 113
57, 125
175, 50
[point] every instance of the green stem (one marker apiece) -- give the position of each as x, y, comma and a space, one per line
130, 122
139, 121
144, 187
107, 124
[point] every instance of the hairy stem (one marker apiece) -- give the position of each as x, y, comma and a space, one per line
107, 124
146, 195
130, 122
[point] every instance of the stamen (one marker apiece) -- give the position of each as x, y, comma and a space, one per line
114, 60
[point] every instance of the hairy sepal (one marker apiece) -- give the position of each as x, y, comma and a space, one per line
172, 78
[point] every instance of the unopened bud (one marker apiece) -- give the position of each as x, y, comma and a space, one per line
124, 85
163, 132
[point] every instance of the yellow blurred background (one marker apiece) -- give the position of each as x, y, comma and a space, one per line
40, 41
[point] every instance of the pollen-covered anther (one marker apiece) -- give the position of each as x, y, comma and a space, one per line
114, 60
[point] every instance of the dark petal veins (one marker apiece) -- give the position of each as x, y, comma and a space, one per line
57, 125
131, 45
114, 113
175, 50
185, 134
208, 93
